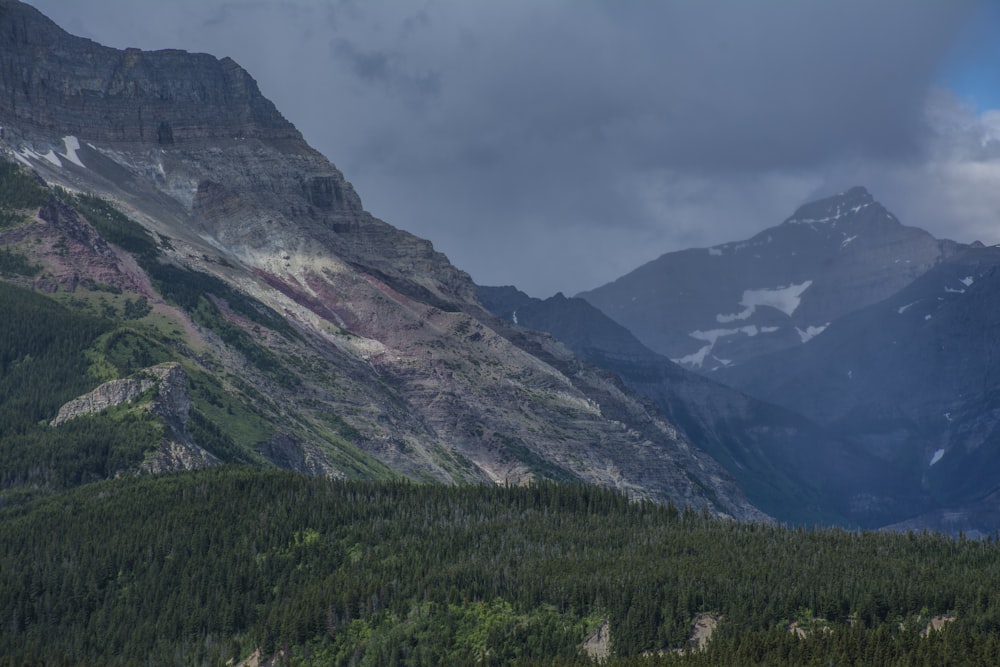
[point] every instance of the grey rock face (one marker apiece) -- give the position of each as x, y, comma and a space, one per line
171, 401
54, 81
710, 308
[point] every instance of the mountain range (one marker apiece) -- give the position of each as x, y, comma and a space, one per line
879, 335
173, 203
244, 422
188, 283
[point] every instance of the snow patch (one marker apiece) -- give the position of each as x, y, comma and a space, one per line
715, 252
843, 244
23, 160
927, 317
903, 309
811, 332
72, 145
937, 456
837, 215
53, 158
785, 299
695, 359
513, 316
712, 336
967, 281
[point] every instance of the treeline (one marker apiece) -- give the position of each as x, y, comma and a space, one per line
19, 190
201, 568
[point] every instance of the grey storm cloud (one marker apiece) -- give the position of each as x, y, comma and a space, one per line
557, 144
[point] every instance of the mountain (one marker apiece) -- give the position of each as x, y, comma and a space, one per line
915, 381
712, 307
789, 466
164, 212
878, 336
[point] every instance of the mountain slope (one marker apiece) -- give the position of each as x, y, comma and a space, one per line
787, 465
359, 344
709, 308
912, 379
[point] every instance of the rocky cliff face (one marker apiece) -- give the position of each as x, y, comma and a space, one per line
54, 82
383, 352
715, 307
108, 395
170, 401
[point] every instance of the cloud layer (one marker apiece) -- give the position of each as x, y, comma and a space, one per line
558, 145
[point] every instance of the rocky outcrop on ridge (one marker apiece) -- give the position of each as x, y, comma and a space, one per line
115, 392
171, 402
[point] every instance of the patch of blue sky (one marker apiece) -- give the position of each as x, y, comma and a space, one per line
972, 69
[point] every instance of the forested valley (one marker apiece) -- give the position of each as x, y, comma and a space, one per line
207, 567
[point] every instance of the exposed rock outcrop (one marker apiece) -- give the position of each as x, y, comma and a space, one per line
171, 402
115, 392
598, 645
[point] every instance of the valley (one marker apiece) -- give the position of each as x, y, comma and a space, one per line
245, 421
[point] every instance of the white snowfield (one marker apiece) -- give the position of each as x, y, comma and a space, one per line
70, 143
811, 331
785, 299
937, 456
712, 336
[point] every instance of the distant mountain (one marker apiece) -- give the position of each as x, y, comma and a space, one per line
788, 466
914, 380
164, 212
879, 337
710, 308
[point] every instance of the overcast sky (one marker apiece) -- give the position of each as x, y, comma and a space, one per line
558, 144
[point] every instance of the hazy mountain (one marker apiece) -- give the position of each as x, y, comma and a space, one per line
914, 380
878, 336
311, 334
788, 465
712, 307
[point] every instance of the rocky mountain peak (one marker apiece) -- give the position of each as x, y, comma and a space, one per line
55, 81
840, 207
714, 307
